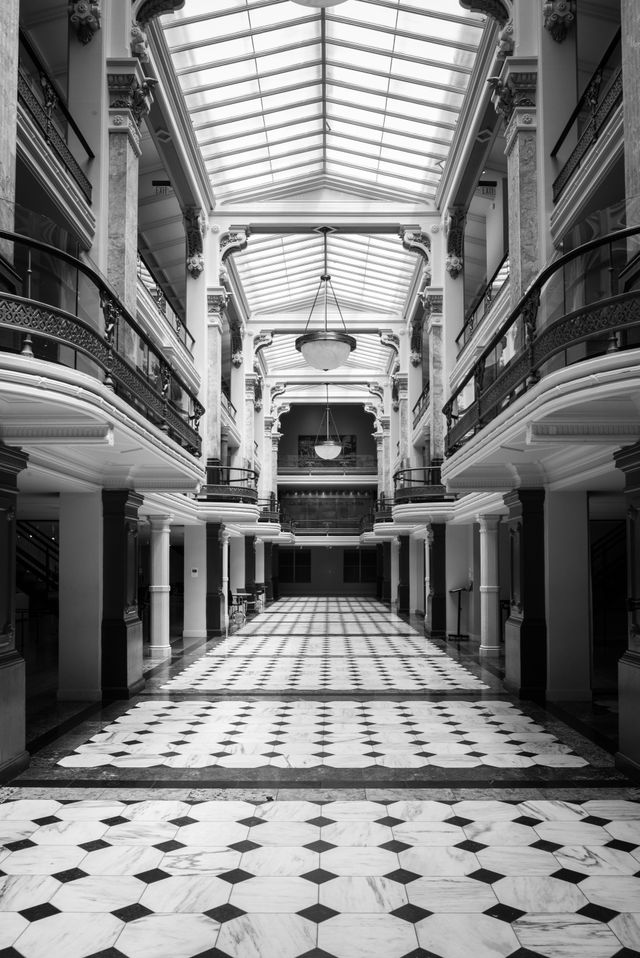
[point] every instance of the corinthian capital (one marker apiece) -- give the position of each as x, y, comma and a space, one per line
84, 17
558, 17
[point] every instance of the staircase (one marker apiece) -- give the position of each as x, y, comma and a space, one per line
37, 563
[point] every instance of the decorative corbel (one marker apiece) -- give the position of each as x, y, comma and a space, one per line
127, 93
262, 340
139, 43
233, 240
558, 16
391, 340
376, 390
278, 389
506, 41
496, 9
259, 383
217, 299
195, 228
84, 17
236, 328
150, 9
455, 241
416, 242
519, 90
415, 355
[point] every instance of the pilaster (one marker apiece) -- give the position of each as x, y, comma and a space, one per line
630, 22
160, 587
216, 304
9, 11
433, 299
435, 618
489, 586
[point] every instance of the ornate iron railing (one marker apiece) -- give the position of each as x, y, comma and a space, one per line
482, 303
230, 483
364, 465
583, 305
66, 313
269, 510
418, 484
228, 406
42, 99
156, 293
421, 404
330, 526
602, 96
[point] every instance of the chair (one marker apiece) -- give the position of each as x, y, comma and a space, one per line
237, 610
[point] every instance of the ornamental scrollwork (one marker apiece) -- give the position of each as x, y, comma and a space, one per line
139, 43
233, 240
376, 390
416, 341
85, 17
236, 329
496, 9
195, 229
518, 90
390, 340
456, 223
506, 41
217, 301
126, 93
558, 16
416, 242
150, 9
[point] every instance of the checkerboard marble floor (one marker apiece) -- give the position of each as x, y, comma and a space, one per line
167, 870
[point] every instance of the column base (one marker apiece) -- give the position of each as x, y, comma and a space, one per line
14, 766
158, 652
490, 651
122, 691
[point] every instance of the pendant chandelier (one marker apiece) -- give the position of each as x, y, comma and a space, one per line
325, 446
324, 348
318, 3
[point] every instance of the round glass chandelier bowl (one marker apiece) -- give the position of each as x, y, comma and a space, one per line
319, 4
325, 349
328, 449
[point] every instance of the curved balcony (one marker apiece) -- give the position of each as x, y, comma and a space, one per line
583, 305
61, 311
230, 484
422, 484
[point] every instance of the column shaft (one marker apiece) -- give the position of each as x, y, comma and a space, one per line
195, 582
630, 15
160, 588
435, 619
216, 601
489, 586
8, 112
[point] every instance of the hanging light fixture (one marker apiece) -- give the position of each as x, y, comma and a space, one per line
325, 446
324, 348
319, 4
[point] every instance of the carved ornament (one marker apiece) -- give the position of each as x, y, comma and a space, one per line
558, 16
217, 300
150, 9
139, 43
233, 240
195, 228
376, 390
496, 9
84, 17
518, 90
236, 329
416, 341
390, 340
506, 41
126, 93
262, 340
456, 223
416, 242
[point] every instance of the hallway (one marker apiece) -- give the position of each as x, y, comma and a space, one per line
323, 783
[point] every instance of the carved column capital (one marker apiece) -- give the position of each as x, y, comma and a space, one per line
558, 17
84, 17
195, 224
432, 300
233, 240
217, 299
129, 92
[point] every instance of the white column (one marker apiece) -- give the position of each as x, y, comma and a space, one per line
216, 302
568, 599
80, 597
224, 538
259, 547
275, 439
384, 468
395, 560
160, 588
195, 582
489, 586
265, 487
236, 563
416, 595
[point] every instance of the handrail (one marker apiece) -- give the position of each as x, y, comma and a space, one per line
484, 299
61, 101
232, 476
416, 477
228, 406
109, 335
526, 311
159, 297
421, 404
312, 463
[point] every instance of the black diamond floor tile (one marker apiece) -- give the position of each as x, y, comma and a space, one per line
402, 875
224, 913
132, 912
598, 912
411, 913
317, 913
319, 876
38, 912
504, 912
235, 876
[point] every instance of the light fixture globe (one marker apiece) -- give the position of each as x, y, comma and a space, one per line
328, 449
319, 4
325, 349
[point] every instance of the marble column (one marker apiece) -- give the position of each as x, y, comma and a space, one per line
404, 574
395, 571
216, 302
13, 755
160, 587
216, 592
515, 99
259, 561
195, 582
568, 590
122, 674
129, 99
489, 587
265, 479
434, 298
628, 460
80, 586
248, 436
276, 436
526, 629
224, 542
236, 563
384, 467
630, 22
404, 420
9, 11
435, 619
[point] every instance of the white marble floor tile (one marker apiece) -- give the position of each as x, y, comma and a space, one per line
11, 927
363, 895
27, 809
267, 936
26, 891
186, 893
572, 833
566, 936
71, 935
359, 861
121, 860
430, 860
459, 936
626, 928
168, 936
451, 894
517, 860
200, 861
42, 860
98, 893
366, 936
274, 895
539, 894
620, 892
279, 862
597, 860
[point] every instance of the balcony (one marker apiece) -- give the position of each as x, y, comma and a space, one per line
422, 484
421, 405
582, 306
381, 512
482, 304
43, 102
601, 99
61, 311
156, 295
230, 484
314, 466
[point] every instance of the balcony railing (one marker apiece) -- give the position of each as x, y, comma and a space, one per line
602, 96
231, 484
332, 526
42, 99
421, 405
482, 303
228, 407
162, 304
418, 485
583, 305
353, 465
269, 510
63, 312
381, 512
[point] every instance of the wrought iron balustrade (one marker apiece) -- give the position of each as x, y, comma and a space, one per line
269, 510
42, 98
64, 312
602, 96
230, 483
228, 406
329, 526
421, 404
482, 303
585, 304
353, 464
418, 484
156, 293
